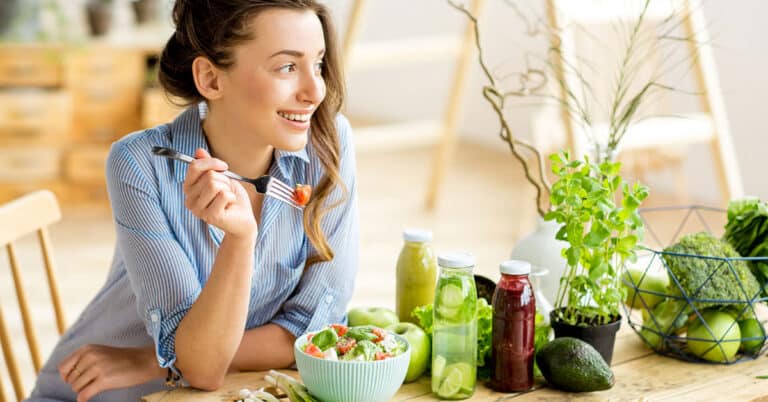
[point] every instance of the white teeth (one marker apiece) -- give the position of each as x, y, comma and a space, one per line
295, 117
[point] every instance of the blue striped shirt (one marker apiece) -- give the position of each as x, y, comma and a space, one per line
164, 254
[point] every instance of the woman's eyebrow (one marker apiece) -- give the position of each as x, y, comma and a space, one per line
294, 53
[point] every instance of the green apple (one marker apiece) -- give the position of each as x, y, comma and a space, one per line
752, 328
725, 330
421, 348
633, 279
381, 317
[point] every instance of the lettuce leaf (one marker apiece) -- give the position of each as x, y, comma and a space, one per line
747, 232
424, 315
325, 339
484, 331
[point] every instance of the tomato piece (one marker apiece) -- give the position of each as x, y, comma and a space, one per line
345, 345
380, 334
309, 336
312, 350
302, 193
381, 356
340, 329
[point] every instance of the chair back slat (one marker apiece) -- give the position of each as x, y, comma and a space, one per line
10, 359
2, 392
28, 215
53, 286
26, 316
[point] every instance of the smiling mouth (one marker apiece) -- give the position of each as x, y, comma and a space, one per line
299, 118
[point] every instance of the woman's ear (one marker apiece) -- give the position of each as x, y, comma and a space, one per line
207, 78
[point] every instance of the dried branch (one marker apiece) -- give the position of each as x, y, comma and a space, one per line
496, 97
628, 94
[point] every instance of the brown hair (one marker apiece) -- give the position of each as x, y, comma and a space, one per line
211, 28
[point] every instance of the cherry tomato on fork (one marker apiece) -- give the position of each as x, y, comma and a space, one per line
302, 193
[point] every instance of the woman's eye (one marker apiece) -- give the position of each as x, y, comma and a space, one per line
319, 66
288, 68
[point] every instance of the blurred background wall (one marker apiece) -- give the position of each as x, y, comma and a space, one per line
396, 93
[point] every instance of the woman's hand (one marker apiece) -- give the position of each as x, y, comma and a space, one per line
96, 368
217, 199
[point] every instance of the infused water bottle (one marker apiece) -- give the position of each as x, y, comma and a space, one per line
454, 336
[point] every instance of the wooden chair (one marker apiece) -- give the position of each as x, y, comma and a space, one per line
27, 215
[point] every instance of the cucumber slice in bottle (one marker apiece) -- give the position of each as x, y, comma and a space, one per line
438, 366
452, 383
451, 295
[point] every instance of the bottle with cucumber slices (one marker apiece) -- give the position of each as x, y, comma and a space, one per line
454, 337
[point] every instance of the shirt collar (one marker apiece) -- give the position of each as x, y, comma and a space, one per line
187, 136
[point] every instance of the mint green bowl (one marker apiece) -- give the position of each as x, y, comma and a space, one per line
352, 381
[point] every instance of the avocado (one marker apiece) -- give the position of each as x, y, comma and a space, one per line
573, 365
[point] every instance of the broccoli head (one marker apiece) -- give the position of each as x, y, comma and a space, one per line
709, 279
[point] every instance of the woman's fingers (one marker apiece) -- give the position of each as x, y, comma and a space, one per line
219, 204
92, 389
85, 377
202, 194
202, 164
68, 366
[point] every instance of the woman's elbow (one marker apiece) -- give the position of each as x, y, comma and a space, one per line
203, 380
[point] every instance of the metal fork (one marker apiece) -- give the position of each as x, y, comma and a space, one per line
265, 184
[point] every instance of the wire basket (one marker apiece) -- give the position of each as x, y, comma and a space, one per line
689, 325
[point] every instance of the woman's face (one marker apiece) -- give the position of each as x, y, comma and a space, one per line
276, 82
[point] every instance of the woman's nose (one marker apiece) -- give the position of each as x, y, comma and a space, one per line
312, 88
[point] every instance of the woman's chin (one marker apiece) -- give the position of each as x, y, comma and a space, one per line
296, 142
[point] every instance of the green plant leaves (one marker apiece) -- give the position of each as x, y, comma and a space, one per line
597, 211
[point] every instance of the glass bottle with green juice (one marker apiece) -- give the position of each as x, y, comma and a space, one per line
454, 334
416, 273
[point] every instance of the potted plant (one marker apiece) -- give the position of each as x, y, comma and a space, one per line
602, 234
99, 14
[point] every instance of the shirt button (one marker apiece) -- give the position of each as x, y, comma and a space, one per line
154, 317
328, 299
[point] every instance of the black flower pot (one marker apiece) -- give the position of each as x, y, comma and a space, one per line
601, 337
99, 17
8, 11
145, 10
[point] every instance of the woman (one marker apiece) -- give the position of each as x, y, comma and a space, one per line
201, 257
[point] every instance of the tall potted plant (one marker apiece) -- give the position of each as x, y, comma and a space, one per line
597, 213
595, 208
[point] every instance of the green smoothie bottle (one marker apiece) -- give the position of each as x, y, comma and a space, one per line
416, 273
454, 334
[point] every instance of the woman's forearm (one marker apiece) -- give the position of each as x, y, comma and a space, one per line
263, 348
211, 332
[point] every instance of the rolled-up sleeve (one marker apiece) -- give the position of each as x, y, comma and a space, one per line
161, 274
325, 288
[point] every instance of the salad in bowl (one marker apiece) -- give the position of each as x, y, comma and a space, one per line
362, 363
363, 343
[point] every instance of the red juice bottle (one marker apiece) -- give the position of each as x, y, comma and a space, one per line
514, 315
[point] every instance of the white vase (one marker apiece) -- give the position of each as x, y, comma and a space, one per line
542, 250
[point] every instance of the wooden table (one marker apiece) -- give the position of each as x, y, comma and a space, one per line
640, 375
